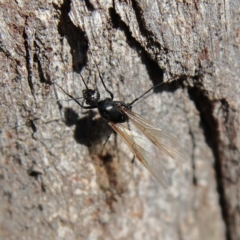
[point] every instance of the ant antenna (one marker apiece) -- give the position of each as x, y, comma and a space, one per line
136, 99
75, 100
111, 94
83, 81
72, 98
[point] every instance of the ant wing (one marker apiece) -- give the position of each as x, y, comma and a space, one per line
142, 148
168, 144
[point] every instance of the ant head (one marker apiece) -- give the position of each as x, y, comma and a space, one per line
91, 97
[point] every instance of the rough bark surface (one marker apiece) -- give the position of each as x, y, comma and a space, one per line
56, 182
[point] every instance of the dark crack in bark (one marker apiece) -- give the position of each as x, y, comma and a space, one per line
154, 71
28, 62
210, 127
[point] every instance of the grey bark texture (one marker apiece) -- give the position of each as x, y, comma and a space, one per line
56, 180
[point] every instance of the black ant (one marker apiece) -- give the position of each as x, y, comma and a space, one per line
117, 113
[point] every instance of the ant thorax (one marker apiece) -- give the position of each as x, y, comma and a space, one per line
110, 111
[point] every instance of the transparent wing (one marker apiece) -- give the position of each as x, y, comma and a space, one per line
170, 145
142, 148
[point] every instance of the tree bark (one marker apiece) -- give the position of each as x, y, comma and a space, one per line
57, 181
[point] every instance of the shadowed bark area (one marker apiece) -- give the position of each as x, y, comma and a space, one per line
56, 179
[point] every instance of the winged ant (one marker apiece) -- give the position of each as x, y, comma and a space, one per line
118, 113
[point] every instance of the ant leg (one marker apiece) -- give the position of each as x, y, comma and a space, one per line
117, 148
110, 133
111, 94
136, 99
120, 103
133, 159
75, 100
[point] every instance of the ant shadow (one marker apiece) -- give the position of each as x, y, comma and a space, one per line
89, 131
93, 132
